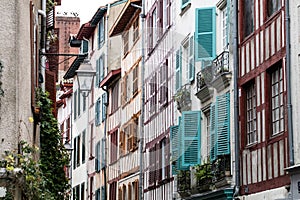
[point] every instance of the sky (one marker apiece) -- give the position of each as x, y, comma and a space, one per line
84, 8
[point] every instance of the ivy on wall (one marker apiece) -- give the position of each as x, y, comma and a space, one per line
38, 172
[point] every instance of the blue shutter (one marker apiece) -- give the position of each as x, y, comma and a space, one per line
97, 73
191, 59
104, 102
85, 46
101, 68
102, 193
223, 125
205, 33
99, 34
190, 139
212, 133
174, 133
178, 69
97, 112
184, 3
97, 160
103, 153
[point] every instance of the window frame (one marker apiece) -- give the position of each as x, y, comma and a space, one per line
250, 109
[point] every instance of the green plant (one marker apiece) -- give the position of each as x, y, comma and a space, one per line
204, 171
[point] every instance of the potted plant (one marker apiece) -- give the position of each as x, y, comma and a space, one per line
204, 176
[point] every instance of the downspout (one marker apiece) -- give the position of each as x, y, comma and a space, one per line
43, 42
236, 96
141, 136
288, 83
107, 95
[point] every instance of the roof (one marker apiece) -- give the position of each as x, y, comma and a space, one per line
124, 17
74, 66
98, 15
110, 77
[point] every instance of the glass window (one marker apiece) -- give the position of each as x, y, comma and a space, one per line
251, 113
273, 6
248, 17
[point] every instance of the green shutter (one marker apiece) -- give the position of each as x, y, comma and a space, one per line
97, 160
97, 112
178, 69
184, 3
191, 59
190, 139
212, 131
103, 153
205, 34
102, 193
104, 102
97, 73
174, 133
223, 125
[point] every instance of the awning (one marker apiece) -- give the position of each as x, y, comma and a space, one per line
75, 65
85, 31
112, 75
124, 17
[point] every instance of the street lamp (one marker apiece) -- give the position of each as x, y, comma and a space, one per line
85, 77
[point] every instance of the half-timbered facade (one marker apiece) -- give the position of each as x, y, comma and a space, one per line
262, 89
123, 132
159, 104
202, 151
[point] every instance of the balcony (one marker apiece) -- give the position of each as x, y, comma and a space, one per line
183, 98
221, 74
204, 91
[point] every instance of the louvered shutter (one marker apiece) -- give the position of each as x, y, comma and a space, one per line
222, 117
97, 73
190, 139
102, 193
212, 130
103, 153
167, 158
174, 133
85, 46
205, 33
97, 160
104, 102
178, 69
102, 69
191, 59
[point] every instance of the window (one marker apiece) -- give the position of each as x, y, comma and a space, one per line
124, 89
113, 147
97, 112
91, 141
122, 143
104, 103
84, 46
224, 27
135, 80
273, 6
83, 147
135, 29
115, 97
152, 93
101, 33
103, 163
67, 133
113, 191
125, 37
102, 193
78, 151
248, 17
82, 191
277, 100
251, 113
154, 26
75, 105
205, 33
97, 159
166, 14
178, 81
84, 104
184, 3
207, 116
100, 70
131, 131
135, 192
163, 84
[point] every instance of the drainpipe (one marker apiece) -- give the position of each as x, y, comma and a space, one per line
141, 144
107, 95
236, 95
288, 83
43, 42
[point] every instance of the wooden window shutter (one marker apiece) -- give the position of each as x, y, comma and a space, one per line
97, 160
205, 34
174, 133
102, 193
190, 139
223, 126
136, 189
191, 60
178, 69
167, 158
97, 73
120, 194
103, 159
104, 102
51, 88
212, 132
129, 191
